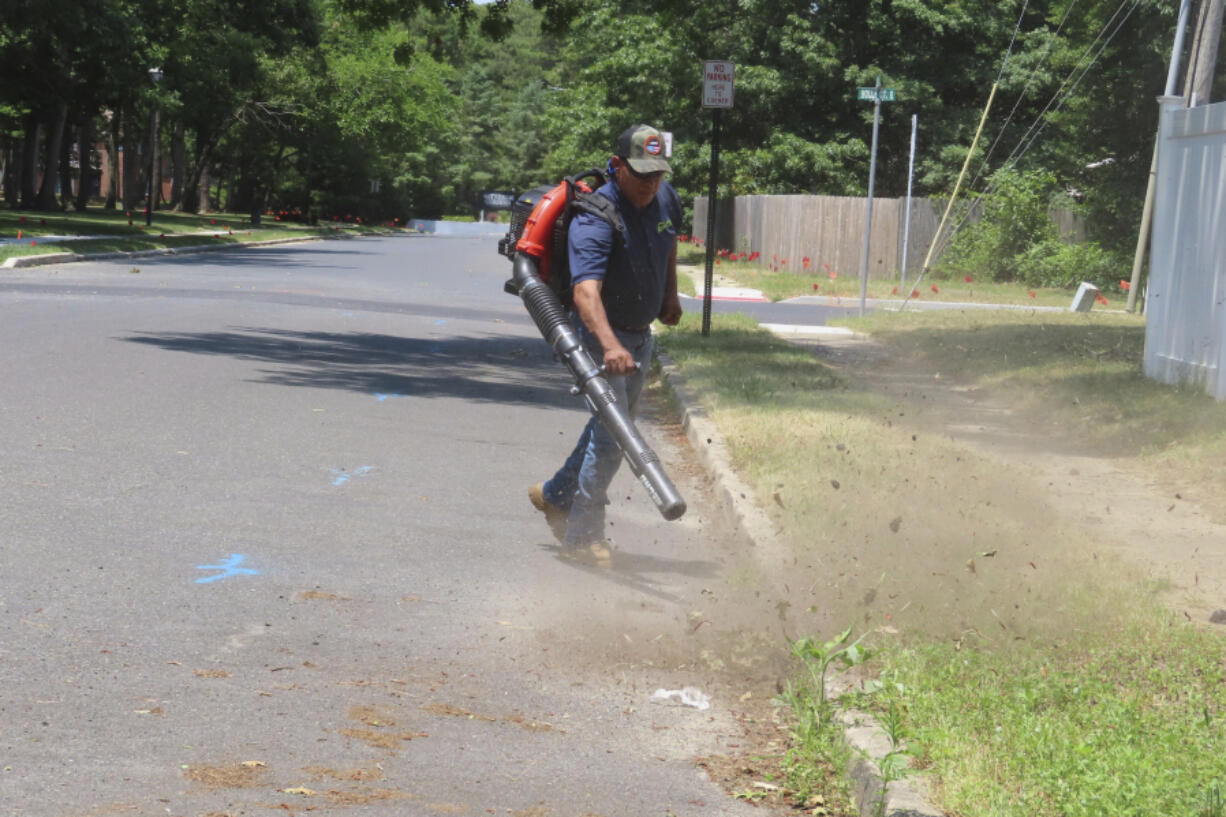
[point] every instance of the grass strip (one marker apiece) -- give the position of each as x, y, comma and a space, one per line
782, 284
1131, 725
100, 231
1034, 674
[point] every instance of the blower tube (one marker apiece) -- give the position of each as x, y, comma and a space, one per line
547, 312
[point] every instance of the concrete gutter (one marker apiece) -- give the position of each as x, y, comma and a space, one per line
864, 737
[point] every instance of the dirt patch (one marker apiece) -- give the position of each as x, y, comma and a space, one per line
365, 798
211, 673
357, 775
755, 770
1105, 498
449, 711
371, 716
388, 741
245, 775
527, 723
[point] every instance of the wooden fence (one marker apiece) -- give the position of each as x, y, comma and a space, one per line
829, 231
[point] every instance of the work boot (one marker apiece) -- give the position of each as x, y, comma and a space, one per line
555, 516
597, 555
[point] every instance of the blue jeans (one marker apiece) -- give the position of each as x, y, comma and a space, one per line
581, 484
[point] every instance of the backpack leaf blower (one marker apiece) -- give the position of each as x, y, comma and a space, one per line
536, 245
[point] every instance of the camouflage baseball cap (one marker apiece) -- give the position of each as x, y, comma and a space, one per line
642, 147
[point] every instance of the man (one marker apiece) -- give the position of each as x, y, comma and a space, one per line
618, 291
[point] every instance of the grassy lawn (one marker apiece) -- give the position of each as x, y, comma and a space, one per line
1029, 672
114, 230
784, 284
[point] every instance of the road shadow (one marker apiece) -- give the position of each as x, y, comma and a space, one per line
496, 369
632, 570
326, 253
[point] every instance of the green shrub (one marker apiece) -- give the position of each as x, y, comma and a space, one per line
1053, 263
1004, 225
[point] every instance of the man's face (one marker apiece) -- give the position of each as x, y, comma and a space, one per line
638, 189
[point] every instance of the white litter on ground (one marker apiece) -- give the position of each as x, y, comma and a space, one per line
690, 696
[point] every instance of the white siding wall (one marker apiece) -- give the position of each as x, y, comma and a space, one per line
1185, 334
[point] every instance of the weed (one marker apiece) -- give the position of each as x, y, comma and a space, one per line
818, 657
1214, 807
814, 764
894, 765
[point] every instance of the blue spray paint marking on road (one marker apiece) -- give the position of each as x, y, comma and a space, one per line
228, 567
340, 476
381, 397
440, 322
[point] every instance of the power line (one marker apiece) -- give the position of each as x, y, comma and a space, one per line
1025, 90
1061, 96
1009, 50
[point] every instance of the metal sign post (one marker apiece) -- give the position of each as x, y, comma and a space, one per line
878, 95
906, 230
717, 87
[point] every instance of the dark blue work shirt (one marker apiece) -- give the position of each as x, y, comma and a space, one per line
651, 235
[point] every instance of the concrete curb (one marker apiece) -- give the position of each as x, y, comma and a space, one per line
734, 494
869, 745
867, 740
20, 262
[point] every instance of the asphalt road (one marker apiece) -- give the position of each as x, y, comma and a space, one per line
265, 547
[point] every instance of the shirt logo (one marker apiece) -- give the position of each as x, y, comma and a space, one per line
667, 224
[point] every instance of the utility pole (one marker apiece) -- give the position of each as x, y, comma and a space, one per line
906, 230
1204, 65
1147, 212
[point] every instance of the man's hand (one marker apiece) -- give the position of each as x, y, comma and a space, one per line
618, 361
670, 312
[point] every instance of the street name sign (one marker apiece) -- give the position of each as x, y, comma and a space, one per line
875, 94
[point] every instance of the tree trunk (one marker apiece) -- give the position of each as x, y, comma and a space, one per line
132, 189
306, 183
203, 204
29, 161
177, 170
11, 172
85, 160
150, 188
196, 188
243, 192
66, 174
51, 168
112, 160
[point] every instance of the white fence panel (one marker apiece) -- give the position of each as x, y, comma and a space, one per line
1185, 333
